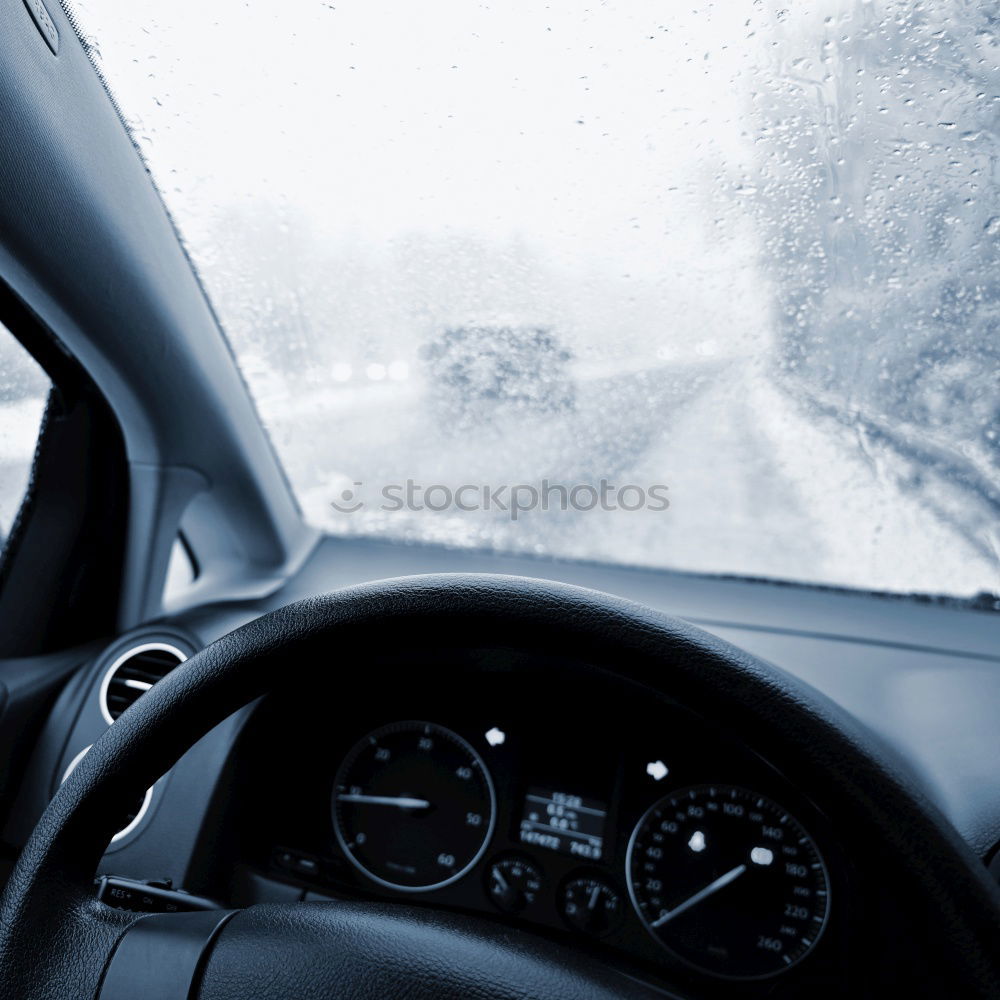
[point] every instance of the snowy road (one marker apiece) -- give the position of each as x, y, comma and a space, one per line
758, 485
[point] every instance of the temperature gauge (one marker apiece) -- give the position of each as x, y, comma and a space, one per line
513, 883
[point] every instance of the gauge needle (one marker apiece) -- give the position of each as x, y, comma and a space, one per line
720, 883
594, 897
501, 881
399, 801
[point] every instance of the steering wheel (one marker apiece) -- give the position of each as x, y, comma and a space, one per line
57, 942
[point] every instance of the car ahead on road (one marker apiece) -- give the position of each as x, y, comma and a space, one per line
263, 736
476, 369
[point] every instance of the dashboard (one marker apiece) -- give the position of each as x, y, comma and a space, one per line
553, 797
557, 799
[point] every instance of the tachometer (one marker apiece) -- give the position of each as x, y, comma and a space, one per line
728, 881
413, 806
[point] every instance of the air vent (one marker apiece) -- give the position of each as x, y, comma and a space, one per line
134, 673
135, 814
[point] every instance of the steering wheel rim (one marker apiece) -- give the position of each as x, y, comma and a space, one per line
55, 938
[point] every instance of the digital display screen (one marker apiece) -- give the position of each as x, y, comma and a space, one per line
568, 824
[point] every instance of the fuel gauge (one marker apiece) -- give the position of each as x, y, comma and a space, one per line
590, 905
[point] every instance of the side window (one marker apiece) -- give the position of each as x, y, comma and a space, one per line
23, 391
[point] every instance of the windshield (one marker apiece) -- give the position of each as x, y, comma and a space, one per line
711, 287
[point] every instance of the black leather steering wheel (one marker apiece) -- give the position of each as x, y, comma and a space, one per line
56, 940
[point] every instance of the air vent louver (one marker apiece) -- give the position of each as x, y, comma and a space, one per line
134, 673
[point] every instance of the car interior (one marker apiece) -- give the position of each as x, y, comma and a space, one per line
259, 738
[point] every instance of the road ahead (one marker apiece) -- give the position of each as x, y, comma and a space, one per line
758, 483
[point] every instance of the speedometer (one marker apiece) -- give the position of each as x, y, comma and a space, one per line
728, 881
413, 806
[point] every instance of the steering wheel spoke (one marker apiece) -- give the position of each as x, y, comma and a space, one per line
160, 956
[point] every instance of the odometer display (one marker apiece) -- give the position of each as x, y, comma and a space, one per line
728, 881
413, 806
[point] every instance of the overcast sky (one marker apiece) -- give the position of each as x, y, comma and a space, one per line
609, 138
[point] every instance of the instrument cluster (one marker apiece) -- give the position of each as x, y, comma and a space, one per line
638, 828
